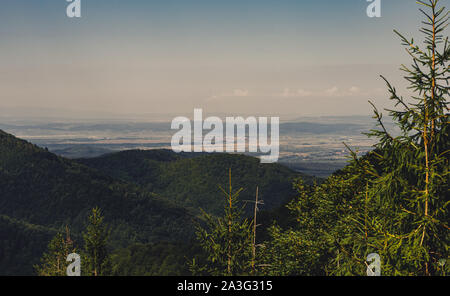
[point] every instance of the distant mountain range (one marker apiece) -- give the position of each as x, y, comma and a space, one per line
351, 125
311, 145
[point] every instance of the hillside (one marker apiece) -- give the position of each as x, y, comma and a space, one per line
192, 180
147, 197
30, 239
44, 189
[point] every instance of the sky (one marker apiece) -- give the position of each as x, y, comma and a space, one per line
134, 57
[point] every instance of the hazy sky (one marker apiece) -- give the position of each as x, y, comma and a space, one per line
320, 57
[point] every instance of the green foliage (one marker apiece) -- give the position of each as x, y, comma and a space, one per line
394, 200
21, 245
226, 240
189, 180
407, 191
157, 259
309, 246
95, 256
96, 259
44, 192
43, 189
53, 262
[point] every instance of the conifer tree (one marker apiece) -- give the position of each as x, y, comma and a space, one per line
309, 247
404, 216
226, 240
392, 201
96, 257
53, 262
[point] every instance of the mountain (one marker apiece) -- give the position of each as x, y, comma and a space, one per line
44, 189
192, 180
151, 200
79, 151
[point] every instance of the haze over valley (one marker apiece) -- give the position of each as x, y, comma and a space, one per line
311, 145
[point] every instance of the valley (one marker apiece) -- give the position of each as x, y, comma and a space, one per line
311, 145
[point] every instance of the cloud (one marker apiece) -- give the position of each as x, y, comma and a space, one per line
336, 92
240, 93
332, 92
354, 89
287, 93
236, 93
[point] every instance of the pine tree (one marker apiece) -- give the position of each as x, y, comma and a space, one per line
53, 262
226, 240
392, 201
96, 261
404, 213
312, 246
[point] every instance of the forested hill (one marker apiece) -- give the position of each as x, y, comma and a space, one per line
41, 188
146, 196
192, 180
21, 245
